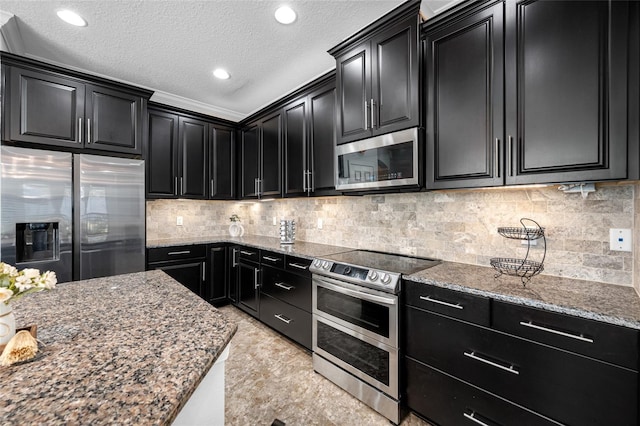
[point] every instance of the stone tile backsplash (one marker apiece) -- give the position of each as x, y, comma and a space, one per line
459, 226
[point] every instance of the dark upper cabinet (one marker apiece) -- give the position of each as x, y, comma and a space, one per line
566, 90
188, 156
309, 139
260, 158
46, 107
162, 154
563, 93
193, 136
464, 79
377, 77
222, 162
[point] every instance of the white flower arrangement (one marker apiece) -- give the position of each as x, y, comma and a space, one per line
14, 284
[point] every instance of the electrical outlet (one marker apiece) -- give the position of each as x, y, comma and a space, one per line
619, 239
319, 223
179, 221
275, 221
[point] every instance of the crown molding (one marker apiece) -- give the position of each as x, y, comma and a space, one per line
10, 34
196, 106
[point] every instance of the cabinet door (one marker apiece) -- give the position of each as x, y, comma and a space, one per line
221, 163
189, 275
566, 69
193, 136
215, 289
394, 75
248, 288
322, 118
113, 120
44, 109
295, 140
463, 65
162, 151
271, 156
250, 161
232, 278
354, 93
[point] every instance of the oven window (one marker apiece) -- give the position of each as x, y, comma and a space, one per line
377, 164
369, 359
368, 315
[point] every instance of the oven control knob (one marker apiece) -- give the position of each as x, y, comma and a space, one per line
326, 265
317, 263
373, 275
386, 278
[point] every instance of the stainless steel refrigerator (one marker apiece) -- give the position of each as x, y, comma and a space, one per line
80, 215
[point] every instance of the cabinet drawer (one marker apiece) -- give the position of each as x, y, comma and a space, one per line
248, 254
272, 259
456, 304
608, 342
163, 254
298, 265
288, 320
566, 387
291, 288
449, 401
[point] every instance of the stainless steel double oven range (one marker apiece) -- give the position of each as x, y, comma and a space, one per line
356, 333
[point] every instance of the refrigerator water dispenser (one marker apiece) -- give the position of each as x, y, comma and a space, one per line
37, 241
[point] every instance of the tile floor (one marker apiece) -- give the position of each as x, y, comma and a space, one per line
269, 377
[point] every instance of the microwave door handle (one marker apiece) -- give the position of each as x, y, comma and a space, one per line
357, 294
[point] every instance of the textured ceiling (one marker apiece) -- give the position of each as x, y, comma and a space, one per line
173, 46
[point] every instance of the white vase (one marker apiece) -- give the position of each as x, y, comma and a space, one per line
7, 323
236, 230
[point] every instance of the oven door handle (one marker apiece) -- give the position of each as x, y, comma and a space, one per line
355, 293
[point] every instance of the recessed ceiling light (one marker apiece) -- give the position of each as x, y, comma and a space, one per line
72, 18
221, 74
285, 15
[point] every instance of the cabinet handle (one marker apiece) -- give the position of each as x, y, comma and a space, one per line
283, 319
255, 278
373, 108
509, 159
181, 186
175, 253
440, 302
88, 130
561, 333
80, 130
510, 368
474, 419
284, 286
211, 188
234, 262
297, 265
247, 253
311, 186
270, 259
496, 168
366, 116
203, 272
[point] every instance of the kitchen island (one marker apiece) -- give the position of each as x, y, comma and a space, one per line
127, 349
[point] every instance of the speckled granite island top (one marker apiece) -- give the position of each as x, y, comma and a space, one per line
128, 349
603, 302
299, 248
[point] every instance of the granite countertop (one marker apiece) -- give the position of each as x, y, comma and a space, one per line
128, 349
299, 248
598, 301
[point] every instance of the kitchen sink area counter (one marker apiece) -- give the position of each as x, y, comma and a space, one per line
124, 349
608, 303
299, 248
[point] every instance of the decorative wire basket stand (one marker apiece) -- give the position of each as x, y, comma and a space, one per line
523, 268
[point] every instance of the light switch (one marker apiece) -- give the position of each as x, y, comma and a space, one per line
620, 239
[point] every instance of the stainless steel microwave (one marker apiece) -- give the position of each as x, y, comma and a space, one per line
379, 163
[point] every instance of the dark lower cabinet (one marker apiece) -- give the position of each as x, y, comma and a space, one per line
289, 320
248, 276
458, 368
186, 264
214, 289
449, 401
